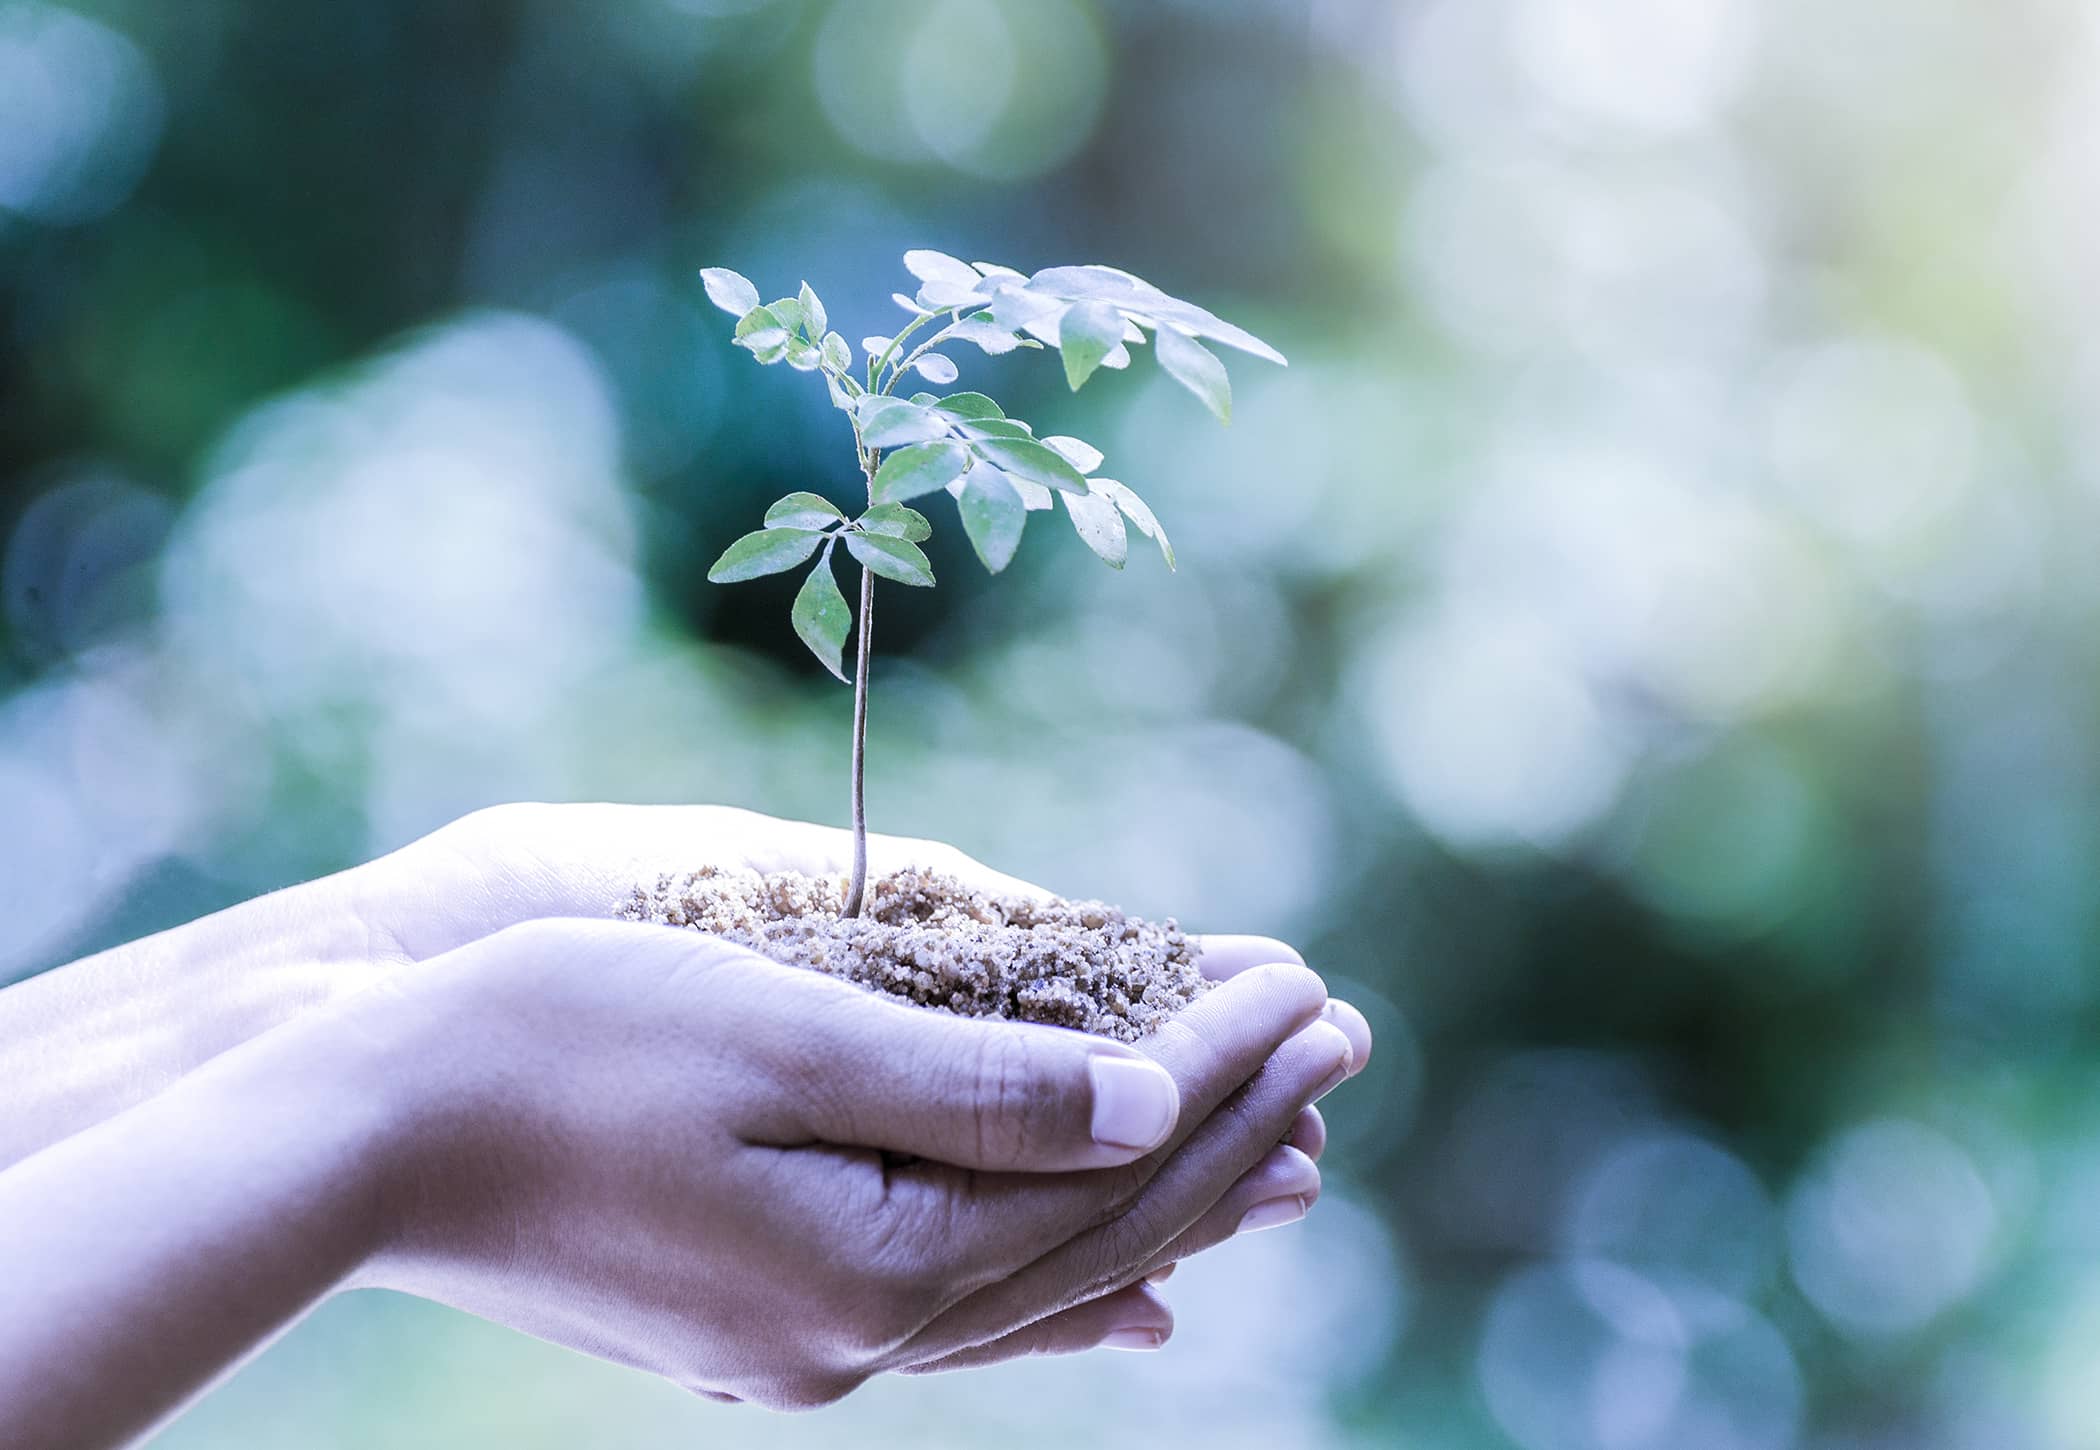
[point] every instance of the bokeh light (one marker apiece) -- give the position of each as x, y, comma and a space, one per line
1640, 649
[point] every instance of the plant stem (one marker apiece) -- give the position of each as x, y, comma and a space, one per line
856, 892
863, 652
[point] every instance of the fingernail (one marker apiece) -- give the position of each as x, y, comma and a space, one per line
1135, 1102
1274, 1214
1339, 1043
1161, 1274
1134, 1339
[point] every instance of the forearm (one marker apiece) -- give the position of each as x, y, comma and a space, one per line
85, 1041
143, 1258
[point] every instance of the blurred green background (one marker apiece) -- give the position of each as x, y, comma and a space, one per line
1642, 648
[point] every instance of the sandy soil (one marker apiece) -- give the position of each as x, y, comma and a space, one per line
932, 941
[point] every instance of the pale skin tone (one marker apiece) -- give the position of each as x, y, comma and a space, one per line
447, 1073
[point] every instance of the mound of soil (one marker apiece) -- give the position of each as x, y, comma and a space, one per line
929, 940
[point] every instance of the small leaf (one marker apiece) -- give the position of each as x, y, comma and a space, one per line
1081, 454
919, 469
764, 334
943, 297
970, 405
897, 559
804, 357
767, 551
910, 306
875, 347
767, 344
1028, 459
813, 312
931, 266
1100, 526
840, 398
994, 339
1135, 294
936, 369
992, 515
993, 272
924, 400
1014, 308
898, 521
730, 291
997, 428
821, 617
895, 423
1136, 510
1086, 335
1196, 368
802, 511
838, 356
789, 311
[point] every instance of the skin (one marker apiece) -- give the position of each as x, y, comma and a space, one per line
435, 1073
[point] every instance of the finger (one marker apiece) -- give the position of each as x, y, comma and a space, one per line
1279, 1190
1132, 1318
1223, 957
1187, 1186
1209, 1049
1355, 1027
1001, 1097
1308, 1133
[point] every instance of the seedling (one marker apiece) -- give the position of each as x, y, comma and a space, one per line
995, 467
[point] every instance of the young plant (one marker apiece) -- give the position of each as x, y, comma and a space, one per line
995, 467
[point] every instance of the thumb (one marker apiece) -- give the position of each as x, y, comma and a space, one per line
994, 1096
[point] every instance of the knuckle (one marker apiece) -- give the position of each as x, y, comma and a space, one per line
1013, 1106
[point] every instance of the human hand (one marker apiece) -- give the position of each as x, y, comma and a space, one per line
666, 1151
93, 1038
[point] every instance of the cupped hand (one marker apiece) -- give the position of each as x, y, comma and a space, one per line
768, 1185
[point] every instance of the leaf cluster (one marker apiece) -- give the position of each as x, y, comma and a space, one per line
996, 467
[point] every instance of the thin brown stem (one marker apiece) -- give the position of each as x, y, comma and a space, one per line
863, 651
857, 891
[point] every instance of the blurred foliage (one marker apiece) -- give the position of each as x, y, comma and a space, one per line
1641, 649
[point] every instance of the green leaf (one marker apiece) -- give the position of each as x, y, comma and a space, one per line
992, 515
821, 617
804, 357
1100, 526
730, 291
997, 428
970, 405
1026, 458
921, 468
1086, 335
993, 338
1135, 509
766, 552
936, 369
1081, 454
931, 266
764, 334
897, 521
897, 559
1196, 368
838, 356
924, 400
802, 511
1135, 294
789, 311
894, 422
813, 312
875, 347
910, 306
